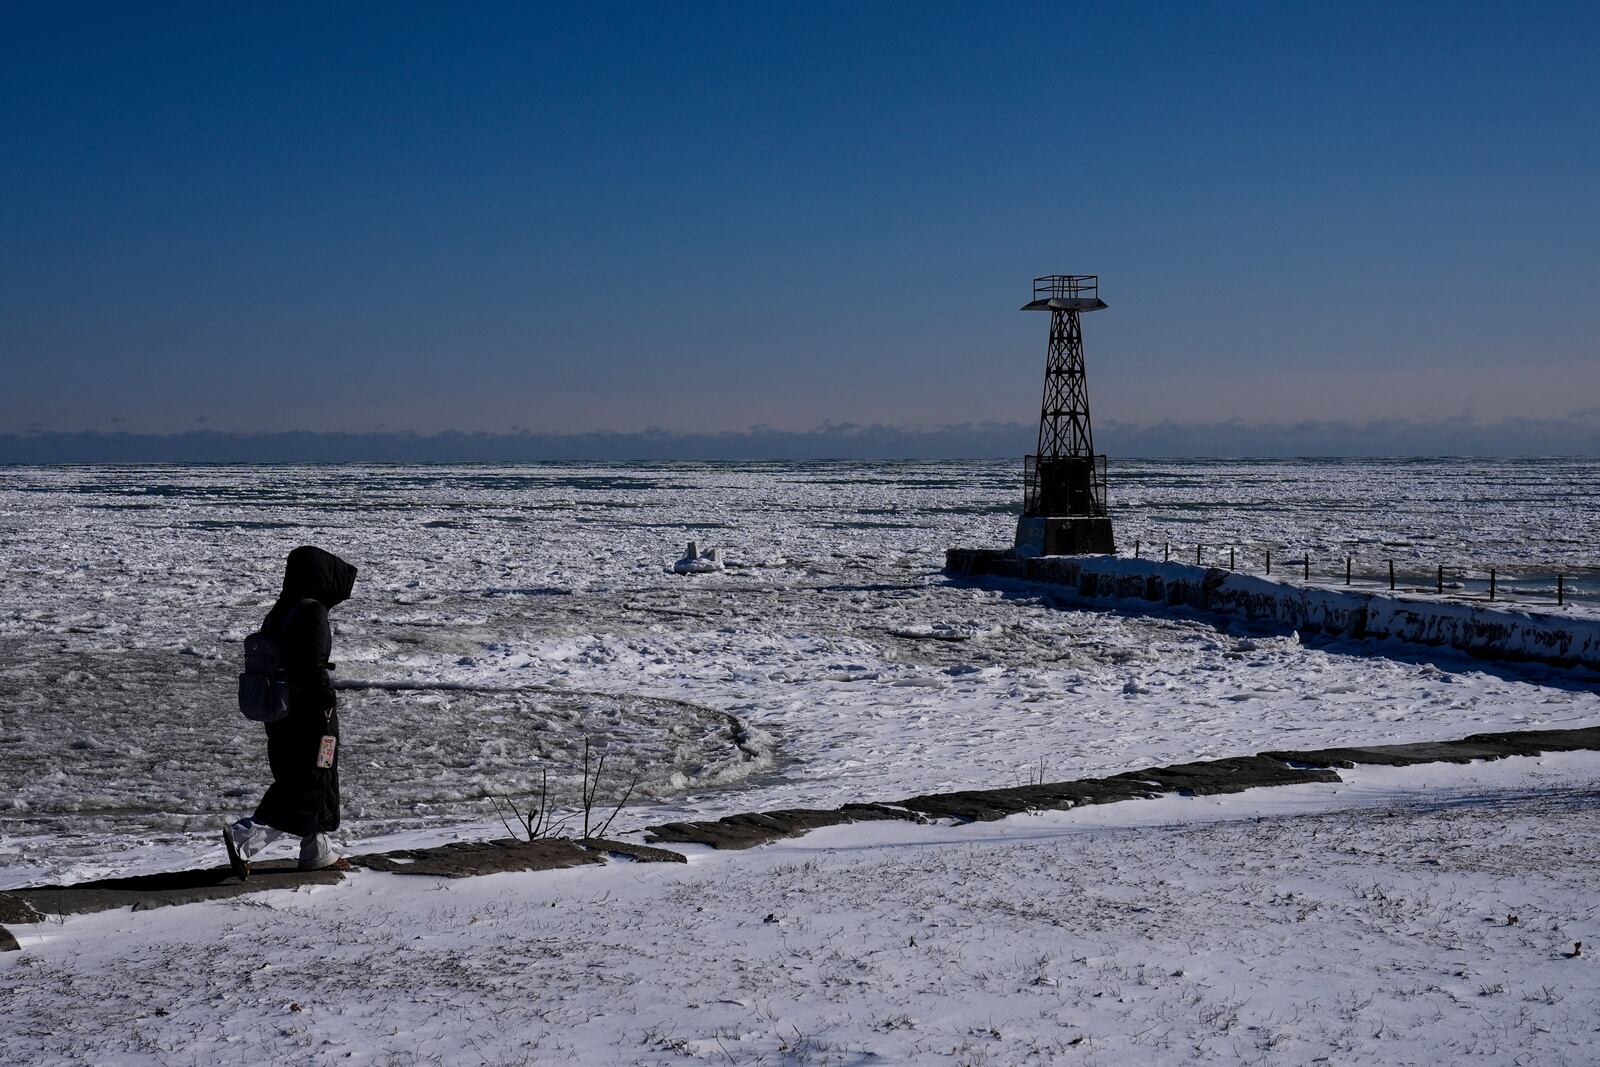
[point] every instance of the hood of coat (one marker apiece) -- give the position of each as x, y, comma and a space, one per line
318, 575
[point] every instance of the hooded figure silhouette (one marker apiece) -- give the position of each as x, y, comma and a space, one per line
303, 799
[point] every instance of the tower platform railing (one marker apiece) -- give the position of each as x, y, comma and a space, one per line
1067, 287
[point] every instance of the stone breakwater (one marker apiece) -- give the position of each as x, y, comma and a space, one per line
1489, 631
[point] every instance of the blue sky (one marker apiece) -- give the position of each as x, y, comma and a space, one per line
706, 217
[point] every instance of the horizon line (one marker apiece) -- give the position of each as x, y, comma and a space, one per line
1576, 435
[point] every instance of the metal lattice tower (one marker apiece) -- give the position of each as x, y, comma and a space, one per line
1065, 476
1065, 479
1064, 428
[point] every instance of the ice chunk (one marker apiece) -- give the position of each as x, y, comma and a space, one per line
695, 561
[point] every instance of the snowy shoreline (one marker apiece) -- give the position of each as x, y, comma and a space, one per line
1231, 775
1416, 915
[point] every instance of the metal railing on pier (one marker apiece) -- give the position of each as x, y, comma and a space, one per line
1521, 585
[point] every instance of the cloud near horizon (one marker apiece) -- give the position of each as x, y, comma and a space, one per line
1576, 434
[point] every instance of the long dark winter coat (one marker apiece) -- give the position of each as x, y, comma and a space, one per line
304, 798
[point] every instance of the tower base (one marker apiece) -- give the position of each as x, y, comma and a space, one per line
1064, 535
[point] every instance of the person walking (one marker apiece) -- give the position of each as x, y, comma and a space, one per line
303, 747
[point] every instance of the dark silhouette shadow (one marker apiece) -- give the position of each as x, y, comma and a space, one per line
145, 891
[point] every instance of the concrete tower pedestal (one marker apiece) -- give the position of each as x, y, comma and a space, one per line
1067, 535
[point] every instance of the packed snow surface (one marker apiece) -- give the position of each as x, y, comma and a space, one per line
503, 615
1419, 916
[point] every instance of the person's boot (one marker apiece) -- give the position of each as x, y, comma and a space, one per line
316, 854
241, 868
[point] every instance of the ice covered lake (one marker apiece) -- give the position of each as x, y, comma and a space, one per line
512, 612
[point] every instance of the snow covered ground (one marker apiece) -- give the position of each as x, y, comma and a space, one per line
503, 615
832, 662
1425, 915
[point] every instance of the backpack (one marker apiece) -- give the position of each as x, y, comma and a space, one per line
264, 686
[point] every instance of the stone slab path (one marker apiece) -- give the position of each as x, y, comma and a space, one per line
469, 858
1230, 775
